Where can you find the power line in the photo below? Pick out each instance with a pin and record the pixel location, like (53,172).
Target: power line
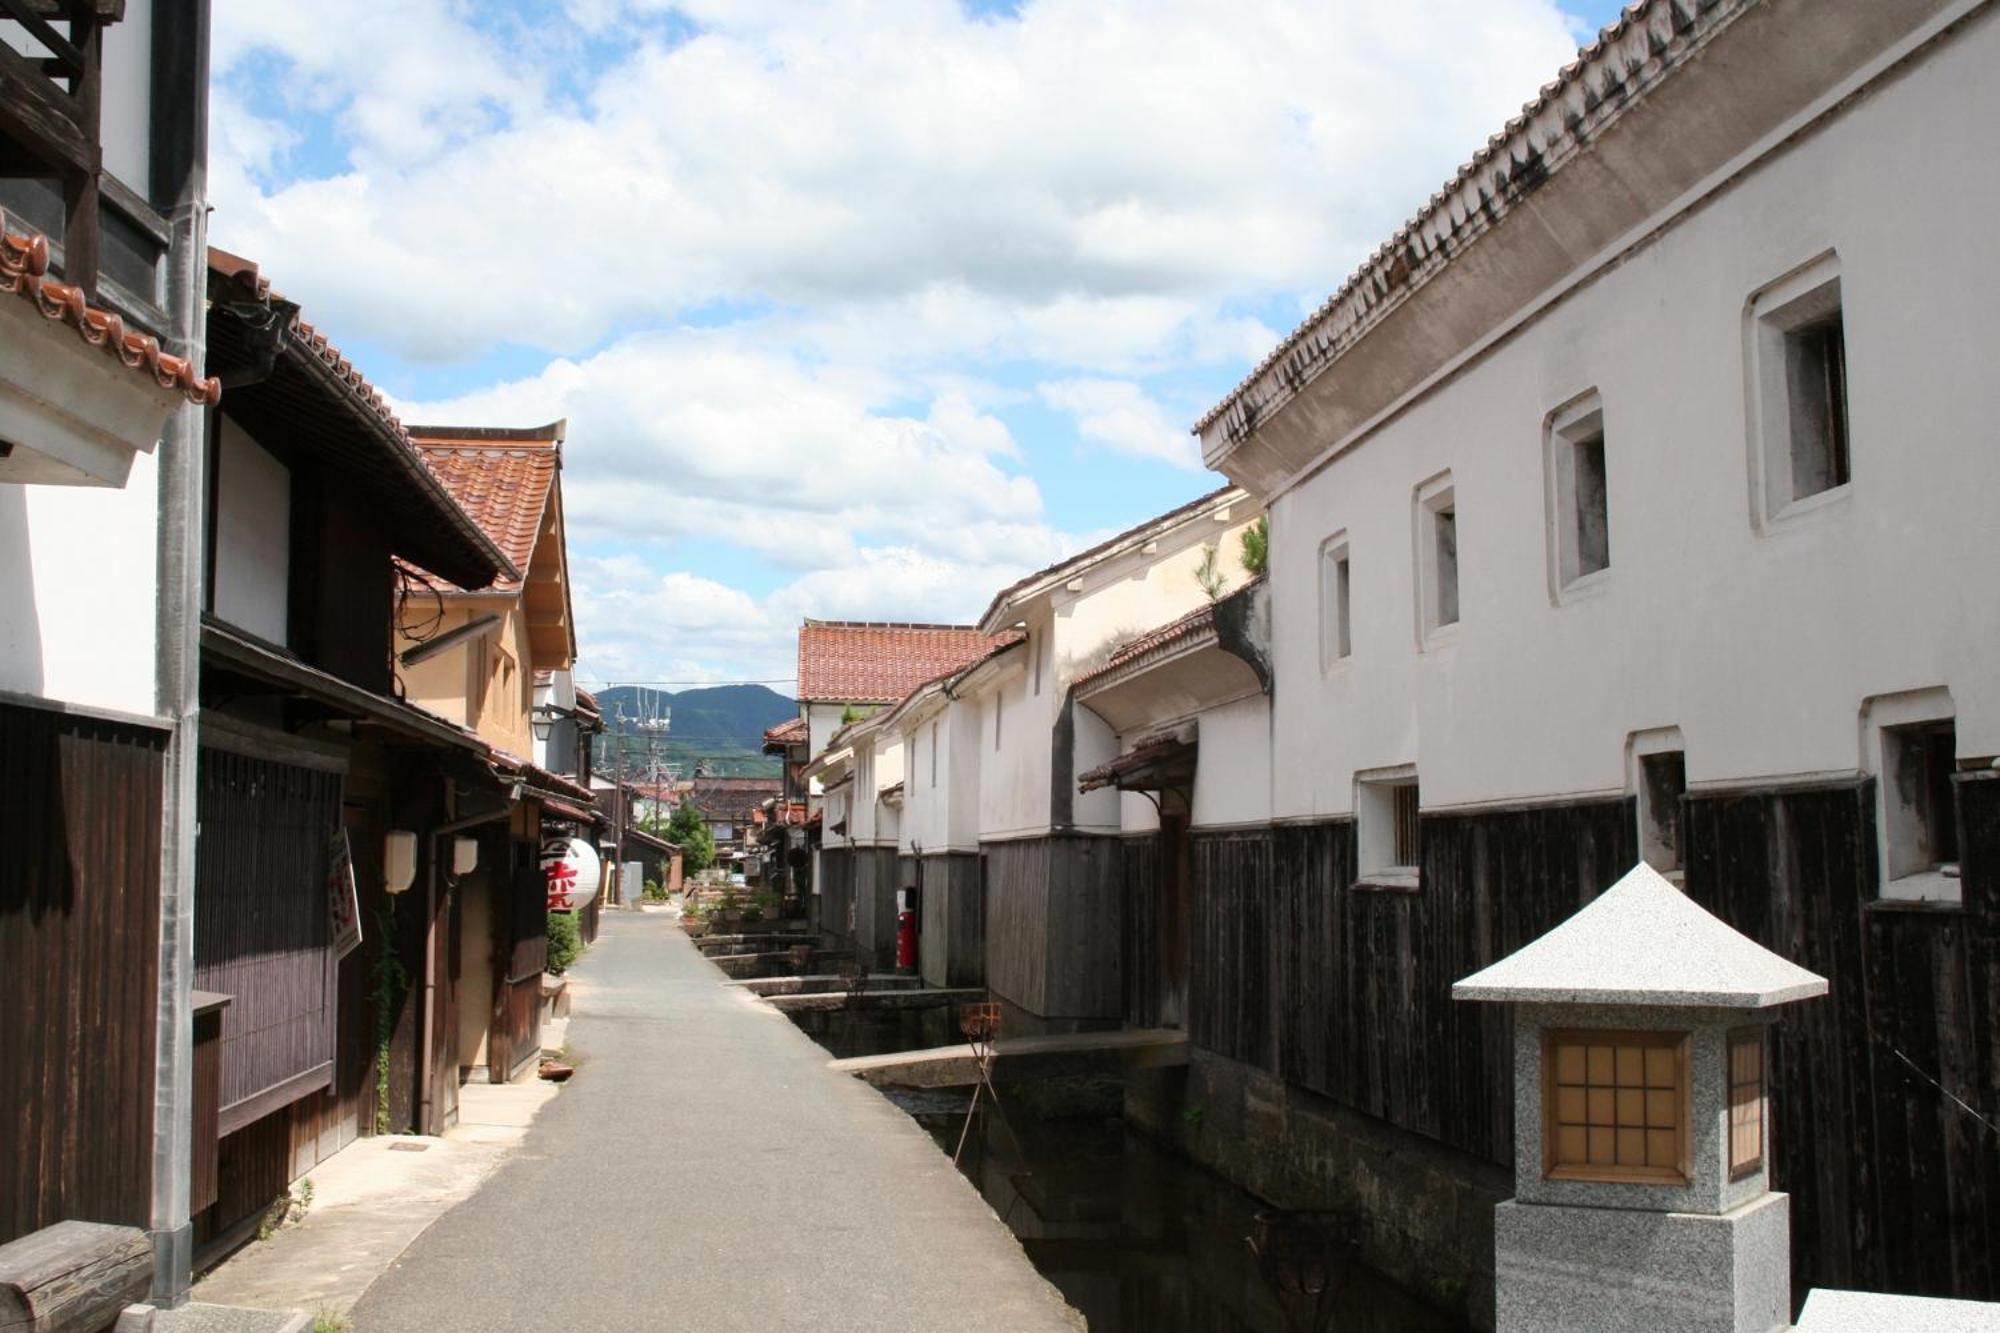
(654,684)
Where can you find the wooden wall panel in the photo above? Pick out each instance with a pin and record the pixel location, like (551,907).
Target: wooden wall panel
(836,896)
(952,921)
(1348,991)
(1017,907)
(261,931)
(1140,954)
(1894,1186)
(1085,930)
(79,942)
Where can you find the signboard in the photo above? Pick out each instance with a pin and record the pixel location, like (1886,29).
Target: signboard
(573,869)
(343,906)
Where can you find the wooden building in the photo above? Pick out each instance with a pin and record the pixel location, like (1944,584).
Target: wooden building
(472,656)
(102,153)
(322,794)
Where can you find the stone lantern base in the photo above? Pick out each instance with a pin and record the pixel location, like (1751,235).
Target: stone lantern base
(1609,1270)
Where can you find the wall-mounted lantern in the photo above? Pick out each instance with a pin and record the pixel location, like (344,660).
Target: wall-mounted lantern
(1641,1196)
(399,860)
(543,719)
(464,856)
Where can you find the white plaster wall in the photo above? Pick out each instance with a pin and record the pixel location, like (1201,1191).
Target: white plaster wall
(253,536)
(1232,782)
(943,816)
(125,113)
(1124,598)
(822,720)
(78,591)
(1014,775)
(1759,647)
(1071,632)
(888,770)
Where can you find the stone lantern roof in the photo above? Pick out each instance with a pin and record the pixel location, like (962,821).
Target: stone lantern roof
(1644,942)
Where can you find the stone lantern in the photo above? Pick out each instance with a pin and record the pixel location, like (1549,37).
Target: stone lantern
(1641,1125)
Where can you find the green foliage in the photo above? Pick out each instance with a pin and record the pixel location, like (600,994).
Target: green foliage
(1257,547)
(565,944)
(1208,572)
(332,1321)
(654,893)
(697,844)
(388,979)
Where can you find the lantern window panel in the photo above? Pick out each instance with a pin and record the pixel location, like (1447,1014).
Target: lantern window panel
(1615,1106)
(1746,1102)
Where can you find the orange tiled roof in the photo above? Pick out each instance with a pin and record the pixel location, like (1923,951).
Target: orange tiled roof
(866,662)
(789,732)
(503,484)
(24,266)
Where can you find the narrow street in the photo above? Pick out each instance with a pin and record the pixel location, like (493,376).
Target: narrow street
(706,1170)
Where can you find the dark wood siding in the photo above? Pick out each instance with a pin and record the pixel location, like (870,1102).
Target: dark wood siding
(876,879)
(1894,1187)
(261,931)
(836,896)
(951,921)
(1139,868)
(79,949)
(514,1040)
(1348,992)
(1054,938)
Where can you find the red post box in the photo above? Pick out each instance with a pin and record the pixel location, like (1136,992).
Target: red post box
(906,929)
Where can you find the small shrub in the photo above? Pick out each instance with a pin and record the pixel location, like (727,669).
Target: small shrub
(654,892)
(564,942)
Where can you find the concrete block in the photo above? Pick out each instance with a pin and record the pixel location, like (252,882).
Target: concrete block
(1609,1270)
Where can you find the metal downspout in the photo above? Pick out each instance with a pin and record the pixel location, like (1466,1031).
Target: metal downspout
(179,169)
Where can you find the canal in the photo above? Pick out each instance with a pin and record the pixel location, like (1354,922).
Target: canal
(1135,1237)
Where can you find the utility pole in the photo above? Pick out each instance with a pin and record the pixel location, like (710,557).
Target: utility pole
(618,796)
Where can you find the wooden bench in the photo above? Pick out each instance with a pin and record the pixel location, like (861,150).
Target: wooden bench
(76,1277)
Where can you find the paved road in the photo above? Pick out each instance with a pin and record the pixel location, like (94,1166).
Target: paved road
(705,1170)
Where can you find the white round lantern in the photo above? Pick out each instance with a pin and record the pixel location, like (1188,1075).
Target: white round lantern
(573,870)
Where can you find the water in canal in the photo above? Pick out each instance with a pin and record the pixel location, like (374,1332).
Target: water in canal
(1137,1238)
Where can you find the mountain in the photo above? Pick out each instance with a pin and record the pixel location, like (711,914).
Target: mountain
(720,727)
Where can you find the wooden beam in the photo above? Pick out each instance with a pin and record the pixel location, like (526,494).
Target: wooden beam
(41,116)
(73,1277)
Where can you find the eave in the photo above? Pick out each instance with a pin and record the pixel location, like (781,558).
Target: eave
(1676,100)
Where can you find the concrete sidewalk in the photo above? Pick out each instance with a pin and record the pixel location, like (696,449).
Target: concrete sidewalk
(706,1170)
(369,1201)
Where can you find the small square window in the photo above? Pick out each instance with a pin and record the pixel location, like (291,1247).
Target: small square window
(1917,764)
(1614,1106)
(1388,829)
(1437,555)
(1914,754)
(1662,784)
(1816,384)
(1746,1102)
(1336,623)
(1579,501)
(1800,427)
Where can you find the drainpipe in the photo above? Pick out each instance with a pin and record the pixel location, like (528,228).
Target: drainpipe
(428,1030)
(178,168)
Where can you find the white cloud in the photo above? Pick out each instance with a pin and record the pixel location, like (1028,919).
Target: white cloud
(1092,171)
(870,205)
(1118,415)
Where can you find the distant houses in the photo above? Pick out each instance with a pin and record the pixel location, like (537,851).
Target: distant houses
(1628,505)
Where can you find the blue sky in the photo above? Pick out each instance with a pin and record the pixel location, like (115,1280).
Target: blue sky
(859,308)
